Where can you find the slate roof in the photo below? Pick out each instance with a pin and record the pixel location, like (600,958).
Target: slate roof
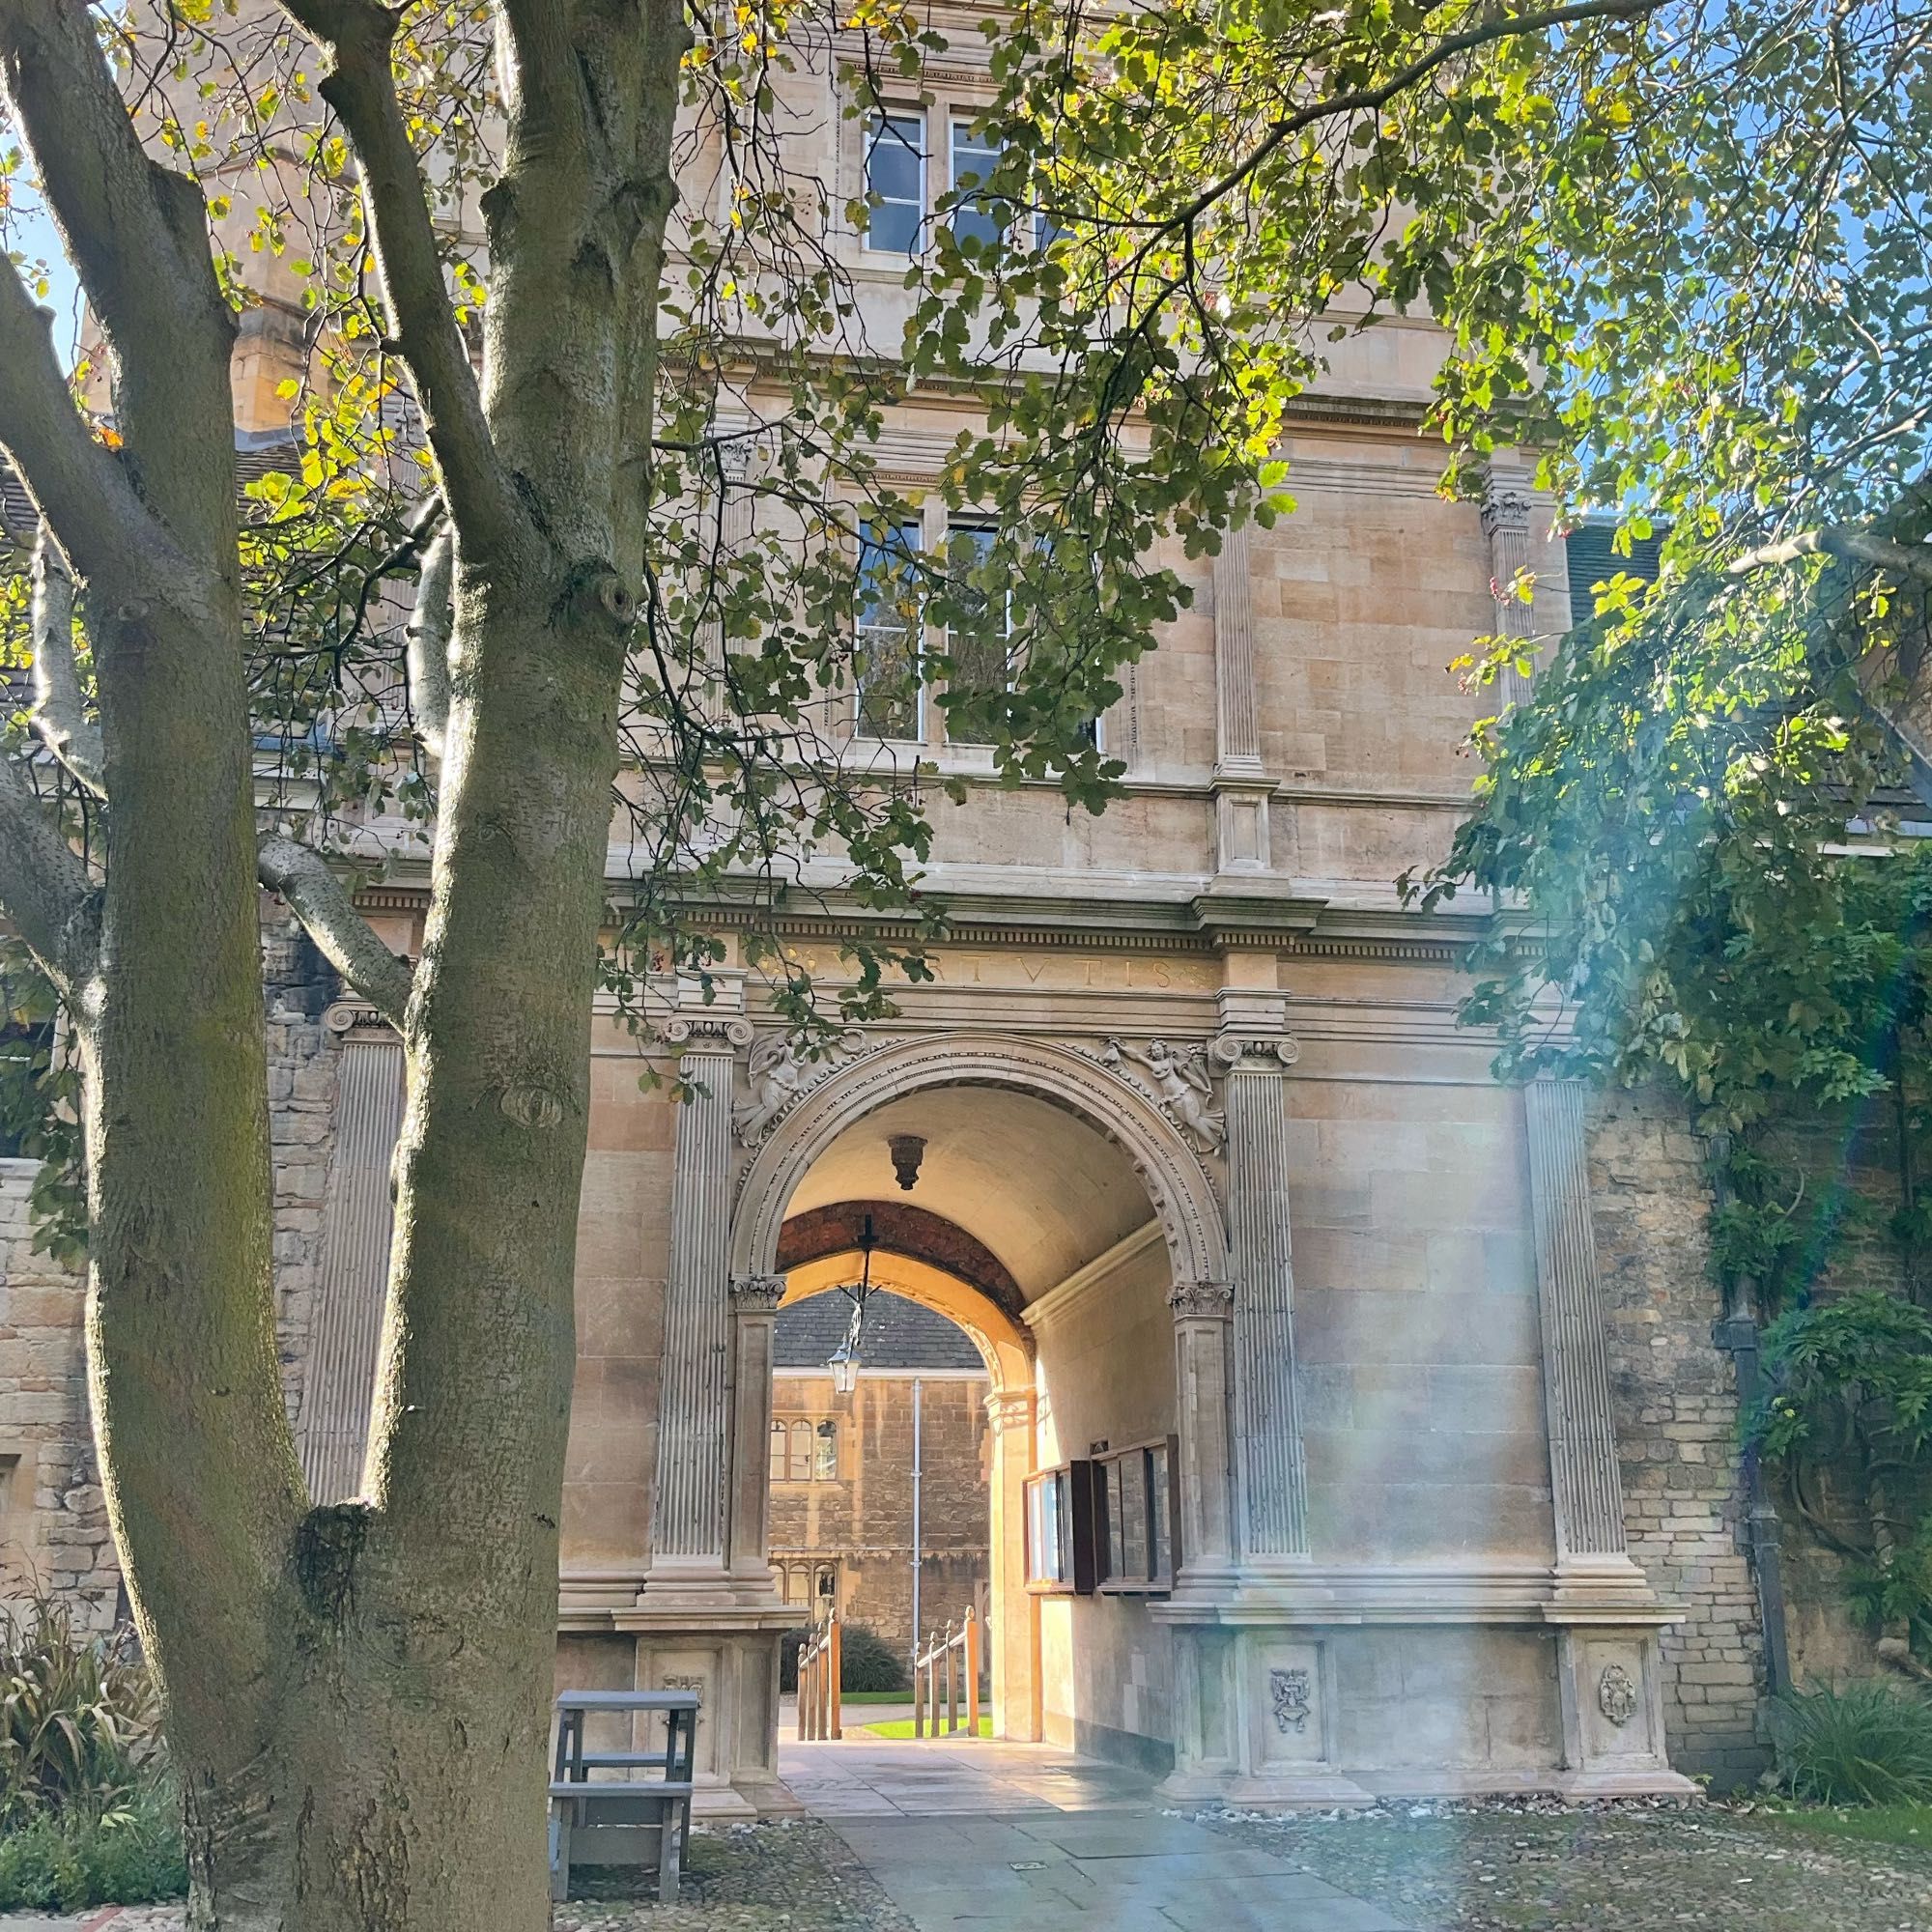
(899,1334)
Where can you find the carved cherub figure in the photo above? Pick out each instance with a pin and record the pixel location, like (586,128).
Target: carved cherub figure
(777,1077)
(1180,1077)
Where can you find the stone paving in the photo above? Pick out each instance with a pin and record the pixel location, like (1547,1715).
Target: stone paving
(975,1838)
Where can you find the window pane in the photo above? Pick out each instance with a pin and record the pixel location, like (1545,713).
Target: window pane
(895,183)
(780,1438)
(1161,1555)
(800,1460)
(825,1452)
(885,646)
(980,219)
(977,642)
(1133,1519)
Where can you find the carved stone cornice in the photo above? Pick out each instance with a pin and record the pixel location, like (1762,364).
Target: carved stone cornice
(756,1293)
(1202,1301)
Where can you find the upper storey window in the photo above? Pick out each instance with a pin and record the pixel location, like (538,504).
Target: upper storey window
(977,217)
(895,183)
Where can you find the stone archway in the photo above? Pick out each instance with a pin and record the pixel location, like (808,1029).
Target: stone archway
(1169,1175)
(1177,1184)
(1007,1350)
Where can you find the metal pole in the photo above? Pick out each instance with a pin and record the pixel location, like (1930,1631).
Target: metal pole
(915,1532)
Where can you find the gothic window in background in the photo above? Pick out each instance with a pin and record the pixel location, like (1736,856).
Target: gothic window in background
(825,1452)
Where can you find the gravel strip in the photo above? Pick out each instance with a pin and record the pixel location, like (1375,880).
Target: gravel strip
(1537,1866)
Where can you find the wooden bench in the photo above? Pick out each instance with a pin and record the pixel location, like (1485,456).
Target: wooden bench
(622,1821)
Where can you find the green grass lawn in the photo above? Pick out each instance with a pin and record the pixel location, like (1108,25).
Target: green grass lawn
(901,1728)
(1908,1825)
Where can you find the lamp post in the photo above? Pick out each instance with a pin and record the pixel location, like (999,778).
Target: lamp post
(844,1359)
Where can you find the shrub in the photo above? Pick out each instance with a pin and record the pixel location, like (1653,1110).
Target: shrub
(77,1717)
(1868,1744)
(867,1661)
(124,1855)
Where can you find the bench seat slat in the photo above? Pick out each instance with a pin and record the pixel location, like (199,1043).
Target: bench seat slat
(580,1789)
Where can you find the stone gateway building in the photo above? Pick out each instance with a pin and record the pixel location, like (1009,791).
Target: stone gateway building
(1352,1421)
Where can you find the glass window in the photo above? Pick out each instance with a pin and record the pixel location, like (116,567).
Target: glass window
(886,645)
(1137,1507)
(977,643)
(825,1454)
(799,1462)
(780,1437)
(978,218)
(895,183)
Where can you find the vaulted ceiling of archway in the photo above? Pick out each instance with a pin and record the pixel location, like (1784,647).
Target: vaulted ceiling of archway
(1042,1189)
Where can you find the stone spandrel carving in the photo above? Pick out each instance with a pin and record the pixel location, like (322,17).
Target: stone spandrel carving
(780,1073)
(1182,1081)
(1616,1695)
(1291,1697)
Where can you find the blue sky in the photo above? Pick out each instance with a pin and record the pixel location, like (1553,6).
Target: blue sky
(32,234)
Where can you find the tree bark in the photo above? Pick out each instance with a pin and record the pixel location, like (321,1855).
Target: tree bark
(356,1696)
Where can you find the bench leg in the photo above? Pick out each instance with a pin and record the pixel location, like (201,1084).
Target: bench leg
(670,1853)
(559,1851)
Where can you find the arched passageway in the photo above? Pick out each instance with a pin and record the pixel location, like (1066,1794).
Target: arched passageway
(1051,1212)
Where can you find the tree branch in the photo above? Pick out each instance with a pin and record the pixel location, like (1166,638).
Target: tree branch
(1365,99)
(76,482)
(428,654)
(138,234)
(44,888)
(60,709)
(317,897)
(360,87)
(1847,541)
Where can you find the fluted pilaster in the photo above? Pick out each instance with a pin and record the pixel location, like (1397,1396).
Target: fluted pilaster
(1237,731)
(688,1516)
(755,1304)
(340,1381)
(1506,524)
(1273,1517)
(1202,1311)
(1584,1481)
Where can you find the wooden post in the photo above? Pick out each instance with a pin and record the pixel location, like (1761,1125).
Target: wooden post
(835,1679)
(972,1674)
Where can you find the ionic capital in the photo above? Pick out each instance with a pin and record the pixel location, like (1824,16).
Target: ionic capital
(756,1293)
(1202,1301)
(708,1032)
(1255,1053)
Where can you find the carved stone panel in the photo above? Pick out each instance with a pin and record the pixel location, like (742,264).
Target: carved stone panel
(1287,1716)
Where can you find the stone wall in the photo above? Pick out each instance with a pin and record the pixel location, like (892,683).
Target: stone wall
(53,1521)
(1677,1430)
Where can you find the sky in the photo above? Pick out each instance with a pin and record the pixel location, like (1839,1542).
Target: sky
(32,235)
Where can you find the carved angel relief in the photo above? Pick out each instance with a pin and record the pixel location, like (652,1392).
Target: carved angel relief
(1183,1084)
(779,1073)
